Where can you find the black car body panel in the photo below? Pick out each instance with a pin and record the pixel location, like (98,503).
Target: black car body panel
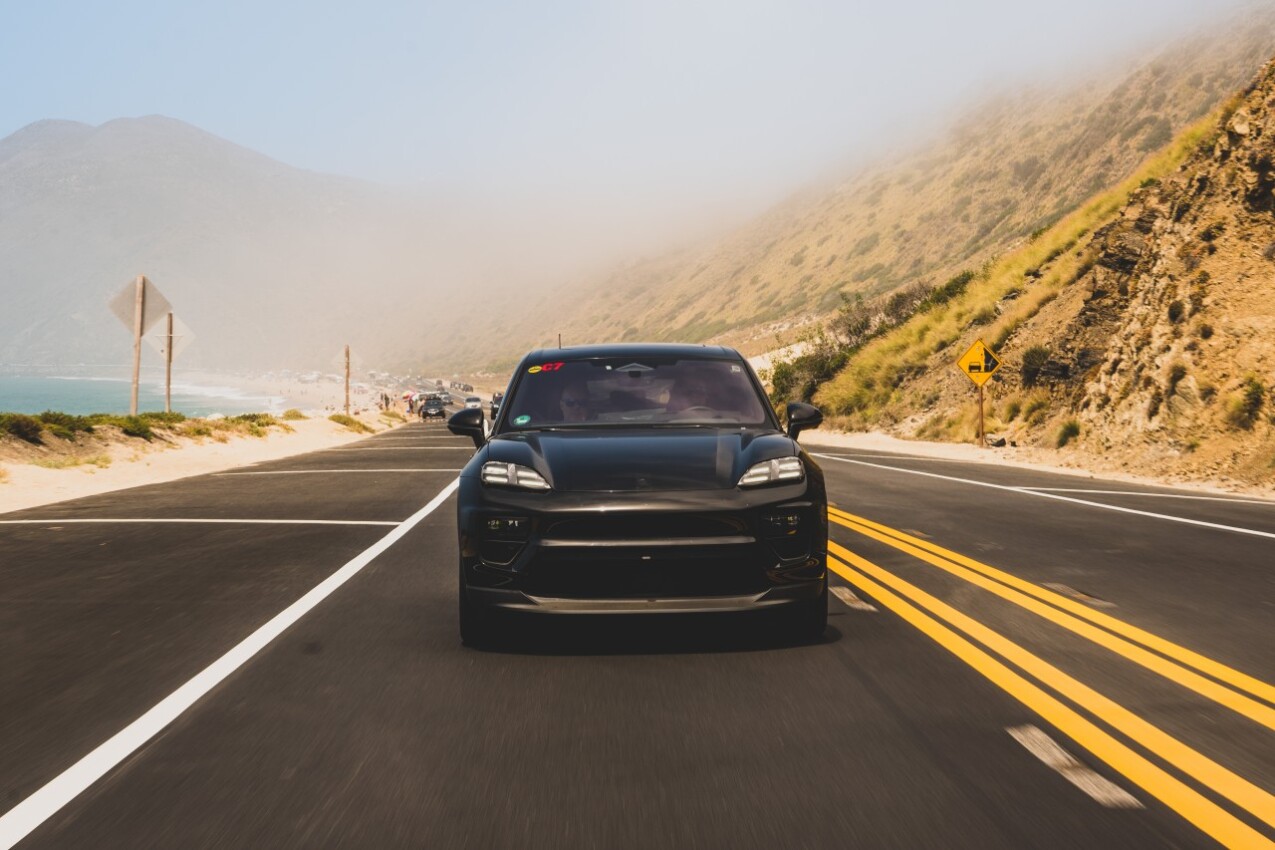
(643,517)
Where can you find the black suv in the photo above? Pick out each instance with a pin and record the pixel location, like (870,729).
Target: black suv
(640,478)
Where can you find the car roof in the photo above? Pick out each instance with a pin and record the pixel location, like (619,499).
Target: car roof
(633,349)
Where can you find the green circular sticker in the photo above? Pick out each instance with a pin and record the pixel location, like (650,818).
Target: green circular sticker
(522,420)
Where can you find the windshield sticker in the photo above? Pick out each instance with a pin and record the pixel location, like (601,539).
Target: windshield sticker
(522,420)
(735,369)
(545,367)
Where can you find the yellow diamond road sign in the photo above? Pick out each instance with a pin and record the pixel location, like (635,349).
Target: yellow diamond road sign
(979,363)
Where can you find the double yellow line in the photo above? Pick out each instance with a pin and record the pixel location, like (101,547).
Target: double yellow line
(1215,821)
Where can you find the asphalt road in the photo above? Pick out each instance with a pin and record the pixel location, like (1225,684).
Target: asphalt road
(1011,663)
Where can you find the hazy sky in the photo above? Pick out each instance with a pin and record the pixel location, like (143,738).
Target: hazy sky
(659,102)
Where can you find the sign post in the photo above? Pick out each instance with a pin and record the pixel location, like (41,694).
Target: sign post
(979,364)
(138,305)
(168,366)
(347,380)
(169,343)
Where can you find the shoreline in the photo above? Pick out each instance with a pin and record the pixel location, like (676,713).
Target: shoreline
(200,394)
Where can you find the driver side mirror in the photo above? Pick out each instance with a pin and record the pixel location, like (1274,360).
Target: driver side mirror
(802,416)
(468,423)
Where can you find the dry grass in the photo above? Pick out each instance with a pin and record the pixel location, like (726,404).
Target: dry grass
(872,387)
(351,423)
(99,461)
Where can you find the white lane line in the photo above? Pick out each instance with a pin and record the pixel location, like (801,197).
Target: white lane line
(330,471)
(1236,501)
(847,596)
(904,457)
(19,821)
(407,449)
(196,520)
(1117,508)
(1045,748)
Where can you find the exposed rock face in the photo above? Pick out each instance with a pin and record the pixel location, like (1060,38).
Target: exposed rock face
(1168,357)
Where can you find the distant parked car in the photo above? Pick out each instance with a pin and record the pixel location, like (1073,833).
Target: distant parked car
(473,402)
(446,397)
(432,407)
(496,399)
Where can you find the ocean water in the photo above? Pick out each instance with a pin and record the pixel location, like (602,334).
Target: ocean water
(81,395)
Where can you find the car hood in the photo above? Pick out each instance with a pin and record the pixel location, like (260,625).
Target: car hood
(639,460)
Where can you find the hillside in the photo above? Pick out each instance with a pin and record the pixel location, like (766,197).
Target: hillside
(1010,169)
(1138,332)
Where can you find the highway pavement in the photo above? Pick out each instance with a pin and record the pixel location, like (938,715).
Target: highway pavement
(269,657)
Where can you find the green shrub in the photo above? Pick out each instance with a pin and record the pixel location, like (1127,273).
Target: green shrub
(350,422)
(1213,231)
(1013,407)
(1036,411)
(292,415)
(945,293)
(264,420)
(1034,359)
(1153,405)
(1206,330)
(1243,408)
(1176,373)
(56,420)
(22,426)
(136,426)
(160,417)
(1069,431)
(1176,311)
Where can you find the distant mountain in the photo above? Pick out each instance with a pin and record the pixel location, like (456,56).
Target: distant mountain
(268,265)
(1008,170)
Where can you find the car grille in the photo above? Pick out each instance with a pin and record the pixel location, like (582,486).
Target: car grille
(644,527)
(657,572)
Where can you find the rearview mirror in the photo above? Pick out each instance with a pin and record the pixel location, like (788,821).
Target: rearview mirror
(468,423)
(802,416)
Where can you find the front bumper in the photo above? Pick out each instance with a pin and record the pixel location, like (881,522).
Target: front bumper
(579,553)
(516,600)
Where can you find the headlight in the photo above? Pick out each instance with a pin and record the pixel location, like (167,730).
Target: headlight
(773,471)
(513,475)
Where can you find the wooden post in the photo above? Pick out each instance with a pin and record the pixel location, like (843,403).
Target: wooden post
(982,437)
(347,380)
(168,368)
(139,310)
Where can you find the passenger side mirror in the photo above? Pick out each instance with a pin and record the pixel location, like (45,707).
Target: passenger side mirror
(802,416)
(468,423)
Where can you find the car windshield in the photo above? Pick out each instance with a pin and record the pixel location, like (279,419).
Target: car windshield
(628,392)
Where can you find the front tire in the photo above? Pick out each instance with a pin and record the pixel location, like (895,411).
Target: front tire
(808,619)
(480,626)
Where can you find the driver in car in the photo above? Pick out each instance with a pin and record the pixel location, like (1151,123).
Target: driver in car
(690,391)
(574,402)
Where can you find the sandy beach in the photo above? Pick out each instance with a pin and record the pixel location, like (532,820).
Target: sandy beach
(133,462)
